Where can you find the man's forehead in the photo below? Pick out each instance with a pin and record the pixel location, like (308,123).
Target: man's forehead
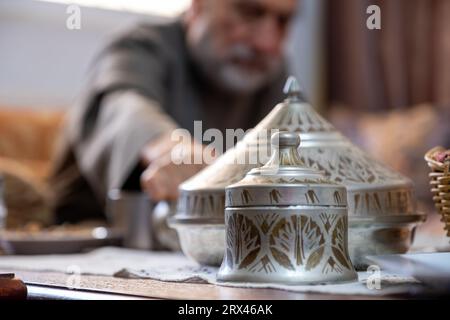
(275,6)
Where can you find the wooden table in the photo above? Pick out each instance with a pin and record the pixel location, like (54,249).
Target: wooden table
(53,285)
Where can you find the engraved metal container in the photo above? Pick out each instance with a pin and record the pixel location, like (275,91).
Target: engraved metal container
(286,223)
(381,203)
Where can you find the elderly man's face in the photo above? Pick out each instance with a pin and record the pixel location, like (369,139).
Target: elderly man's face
(239,42)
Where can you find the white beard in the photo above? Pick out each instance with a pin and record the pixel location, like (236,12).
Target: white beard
(220,68)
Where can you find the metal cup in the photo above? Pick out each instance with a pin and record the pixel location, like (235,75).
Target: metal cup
(131,214)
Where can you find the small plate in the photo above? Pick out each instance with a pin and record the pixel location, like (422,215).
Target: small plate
(60,242)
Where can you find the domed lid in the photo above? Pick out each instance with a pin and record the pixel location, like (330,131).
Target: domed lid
(285,180)
(373,189)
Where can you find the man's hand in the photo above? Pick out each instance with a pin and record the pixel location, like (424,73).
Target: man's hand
(163,174)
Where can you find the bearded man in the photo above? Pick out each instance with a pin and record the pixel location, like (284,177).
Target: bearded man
(221,63)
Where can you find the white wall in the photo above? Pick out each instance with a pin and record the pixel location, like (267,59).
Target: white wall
(306,50)
(42,63)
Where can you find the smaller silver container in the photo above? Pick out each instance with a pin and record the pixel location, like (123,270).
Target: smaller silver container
(286,223)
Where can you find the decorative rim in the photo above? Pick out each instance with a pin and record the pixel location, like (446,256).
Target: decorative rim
(398,219)
(410,218)
(173,222)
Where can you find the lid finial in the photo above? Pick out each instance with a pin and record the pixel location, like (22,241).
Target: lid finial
(285,139)
(292,88)
(285,149)
(285,159)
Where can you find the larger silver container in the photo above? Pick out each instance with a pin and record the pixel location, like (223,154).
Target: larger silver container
(286,223)
(376,195)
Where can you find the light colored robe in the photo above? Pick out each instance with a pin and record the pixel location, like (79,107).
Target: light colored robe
(142,85)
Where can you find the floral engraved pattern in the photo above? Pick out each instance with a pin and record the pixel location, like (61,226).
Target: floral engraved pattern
(338,242)
(263,264)
(377,202)
(349,165)
(267,242)
(281,237)
(274,196)
(246,196)
(311,197)
(202,204)
(313,242)
(338,199)
(295,121)
(266,221)
(243,241)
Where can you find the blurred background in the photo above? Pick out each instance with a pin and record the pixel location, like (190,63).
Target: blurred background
(388,90)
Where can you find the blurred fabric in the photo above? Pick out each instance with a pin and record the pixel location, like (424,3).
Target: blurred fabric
(405,63)
(389,89)
(26,150)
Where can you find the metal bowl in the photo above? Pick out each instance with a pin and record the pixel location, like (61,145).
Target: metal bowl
(205,242)
(201,241)
(383,235)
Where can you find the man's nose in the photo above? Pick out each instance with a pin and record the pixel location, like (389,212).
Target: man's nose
(268,37)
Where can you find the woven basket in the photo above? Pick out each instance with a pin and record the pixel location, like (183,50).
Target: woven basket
(440,185)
